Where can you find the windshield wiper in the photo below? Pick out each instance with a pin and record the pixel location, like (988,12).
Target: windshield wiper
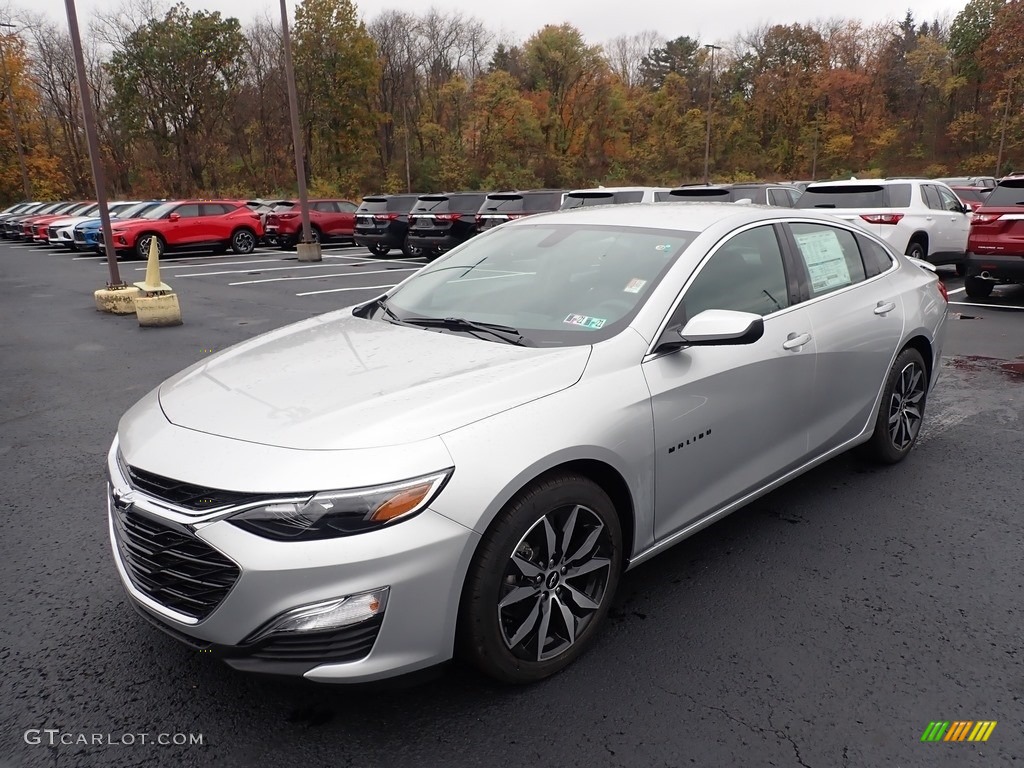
(382,303)
(503,332)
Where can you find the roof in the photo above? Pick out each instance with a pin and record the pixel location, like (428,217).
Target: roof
(619,189)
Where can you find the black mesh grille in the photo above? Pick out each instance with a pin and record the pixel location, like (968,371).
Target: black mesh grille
(339,645)
(186,495)
(171,566)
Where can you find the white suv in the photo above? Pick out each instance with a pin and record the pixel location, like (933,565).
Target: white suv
(578,198)
(918,217)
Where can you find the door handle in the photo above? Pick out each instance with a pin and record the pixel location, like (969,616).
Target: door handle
(884,307)
(928,218)
(795,341)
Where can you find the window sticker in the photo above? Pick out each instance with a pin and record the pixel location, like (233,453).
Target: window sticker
(586,322)
(635,285)
(666,247)
(826,263)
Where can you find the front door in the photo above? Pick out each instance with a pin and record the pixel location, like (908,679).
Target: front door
(728,419)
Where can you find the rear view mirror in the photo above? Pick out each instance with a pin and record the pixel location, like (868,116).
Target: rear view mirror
(715,327)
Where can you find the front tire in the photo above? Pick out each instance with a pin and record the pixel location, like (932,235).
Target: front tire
(542,580)
(243,241)
(901,412)
(142,246)
(977,288)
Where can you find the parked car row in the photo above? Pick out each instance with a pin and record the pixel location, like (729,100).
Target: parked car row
(430,224)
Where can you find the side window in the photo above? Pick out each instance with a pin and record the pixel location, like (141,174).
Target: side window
(629,197)
(346,207)
(931,198)
(213,209)
(899,195)
(830,256)
(949,201)
(746,274)
(876,259)
(779,197)
(188,211)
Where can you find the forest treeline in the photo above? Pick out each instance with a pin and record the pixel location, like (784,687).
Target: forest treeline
(189,102)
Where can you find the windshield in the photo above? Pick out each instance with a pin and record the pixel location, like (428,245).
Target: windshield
(131,211)
(558,284)
(161,211)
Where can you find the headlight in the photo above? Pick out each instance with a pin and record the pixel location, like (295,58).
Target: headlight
(331,514)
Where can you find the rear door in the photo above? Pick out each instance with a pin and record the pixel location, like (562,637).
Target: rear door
(856,315)
(956,223)
(213,224)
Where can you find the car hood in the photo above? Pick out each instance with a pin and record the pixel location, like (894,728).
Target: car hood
(129,223)
(69,222)
(340,382)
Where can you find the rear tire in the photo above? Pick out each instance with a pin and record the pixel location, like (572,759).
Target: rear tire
(542,580)
(379,250)
(915,249)
(901,411)
(977,288)
(412,251)
(243,241)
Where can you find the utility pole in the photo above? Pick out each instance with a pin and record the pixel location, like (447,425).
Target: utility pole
(1002,129)
(307,249)
(707,139)
(15,127)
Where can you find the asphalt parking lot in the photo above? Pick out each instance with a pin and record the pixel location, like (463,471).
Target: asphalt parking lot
(824,625)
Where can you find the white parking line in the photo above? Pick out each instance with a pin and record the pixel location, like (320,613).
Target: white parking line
(88,258)
(956,290)
(321,277)
(340,290)
(172,265)
(987,306)
(268,269)
(378,260)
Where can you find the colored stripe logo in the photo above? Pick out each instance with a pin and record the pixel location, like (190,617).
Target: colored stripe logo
(958,730)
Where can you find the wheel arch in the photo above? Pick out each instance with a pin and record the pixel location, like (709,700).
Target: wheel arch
(921,343)
(920,236)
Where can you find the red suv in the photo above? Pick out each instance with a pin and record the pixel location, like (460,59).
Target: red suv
(995,248)
(328,220)
(213,224)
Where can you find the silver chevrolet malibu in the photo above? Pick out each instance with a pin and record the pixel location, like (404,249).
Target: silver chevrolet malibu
(468,463)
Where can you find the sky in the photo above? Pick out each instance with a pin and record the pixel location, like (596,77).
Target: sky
(599,20)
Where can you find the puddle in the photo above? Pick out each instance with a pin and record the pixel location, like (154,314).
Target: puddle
(976,363)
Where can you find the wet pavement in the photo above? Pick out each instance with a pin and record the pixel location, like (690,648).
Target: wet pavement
(824,625)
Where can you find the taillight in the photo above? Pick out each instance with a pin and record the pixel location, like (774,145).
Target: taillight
(448,216)
(385,216)
(943,291)
(985,218)
(882,218)
(479,218)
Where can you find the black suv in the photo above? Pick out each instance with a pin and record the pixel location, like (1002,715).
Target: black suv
(500,207)
(779,195)
(440,222)
(382,222)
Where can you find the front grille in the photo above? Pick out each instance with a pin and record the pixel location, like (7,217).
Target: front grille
(338,645)
(79,236)
(52,233)
(192,497)
(172,566)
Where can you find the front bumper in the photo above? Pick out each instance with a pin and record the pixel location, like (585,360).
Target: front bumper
(422,561)
(1009,268)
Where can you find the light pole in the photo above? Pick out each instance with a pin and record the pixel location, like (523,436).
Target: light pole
(307,250)
(15,127)
(707,140)
(95,158)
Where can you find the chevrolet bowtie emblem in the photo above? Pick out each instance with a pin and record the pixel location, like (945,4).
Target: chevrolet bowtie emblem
(122,499)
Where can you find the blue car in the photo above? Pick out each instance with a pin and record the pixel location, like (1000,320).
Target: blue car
(86,233)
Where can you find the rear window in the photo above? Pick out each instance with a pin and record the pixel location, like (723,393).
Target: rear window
(859,196)
(465,203)
(535,202)
(695,193)
(1009,192)
(971,194)
(581,199)
(504,203)
(374,204)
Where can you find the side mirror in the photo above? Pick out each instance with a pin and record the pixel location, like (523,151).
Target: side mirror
(713,328)
(174,216)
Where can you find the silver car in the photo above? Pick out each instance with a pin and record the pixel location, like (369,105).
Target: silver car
(468,463)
